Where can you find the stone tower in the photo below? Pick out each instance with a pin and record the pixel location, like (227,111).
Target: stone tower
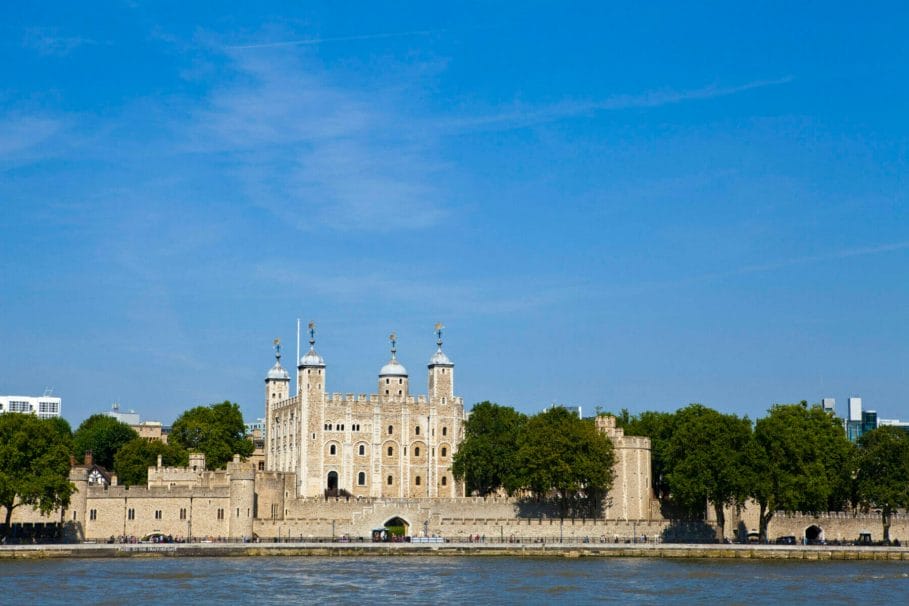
(441,373)
(277,389)
(393,380)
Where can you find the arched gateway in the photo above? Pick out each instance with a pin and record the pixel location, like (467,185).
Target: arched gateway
(814,534)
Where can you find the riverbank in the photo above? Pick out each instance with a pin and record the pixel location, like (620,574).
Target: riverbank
(758,552)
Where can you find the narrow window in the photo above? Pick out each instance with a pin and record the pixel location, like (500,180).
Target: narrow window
(391,429)
(362,449)
(417,430)
(444,481)
(332,449)
(389,480)
(418,480)
(444,431)
(391,451)
(361,478)
(444,451)
(416,451)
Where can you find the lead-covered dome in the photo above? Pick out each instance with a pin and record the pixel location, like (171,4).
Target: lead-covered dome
(277,373)
(393,368)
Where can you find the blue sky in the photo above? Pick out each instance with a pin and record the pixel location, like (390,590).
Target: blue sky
(607,206)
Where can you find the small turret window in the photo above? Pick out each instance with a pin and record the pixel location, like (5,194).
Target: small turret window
(400,381)
(444,481)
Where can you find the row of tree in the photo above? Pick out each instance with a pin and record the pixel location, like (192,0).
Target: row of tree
(553,453)
(795,459)
(35,453)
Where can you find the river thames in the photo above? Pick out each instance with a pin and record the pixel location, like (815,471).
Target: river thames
(448,580)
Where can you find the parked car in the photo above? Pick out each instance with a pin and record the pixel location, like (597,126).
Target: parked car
(787,540)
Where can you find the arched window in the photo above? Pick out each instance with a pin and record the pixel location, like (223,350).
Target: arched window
(391,429)
(417,430)
(400,381)
(387,381)
(391,451)
(416,451)
(362,449)
(332,449)
(361,478)
(444,451)
(417,480)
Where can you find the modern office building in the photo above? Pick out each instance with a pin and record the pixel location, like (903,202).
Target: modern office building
(45,406)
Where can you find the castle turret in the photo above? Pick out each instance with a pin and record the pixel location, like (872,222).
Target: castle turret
(277,389)
(311,368)
(393,380)
(441,374)
(242,499)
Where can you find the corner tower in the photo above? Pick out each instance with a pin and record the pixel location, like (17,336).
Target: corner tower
(311,368)
(441,373)
(277,389)
(393,379)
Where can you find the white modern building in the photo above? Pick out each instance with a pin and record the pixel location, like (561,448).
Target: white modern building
(45,407)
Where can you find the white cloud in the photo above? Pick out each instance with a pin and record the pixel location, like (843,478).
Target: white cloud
(308,147)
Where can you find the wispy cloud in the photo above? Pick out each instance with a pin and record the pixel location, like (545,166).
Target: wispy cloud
(315,41)
(520,116)
(318,153)
(50,43)
(757,268)
(21,133)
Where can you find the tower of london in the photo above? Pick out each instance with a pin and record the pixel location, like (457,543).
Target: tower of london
(386,444)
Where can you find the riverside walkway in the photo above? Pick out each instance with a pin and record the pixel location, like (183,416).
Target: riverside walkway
(659,550)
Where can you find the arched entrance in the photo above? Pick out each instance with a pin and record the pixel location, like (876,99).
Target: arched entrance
(397,527)
(814,534)
(332,487)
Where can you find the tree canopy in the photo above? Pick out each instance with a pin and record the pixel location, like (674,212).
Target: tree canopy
(798,461)
(485,458)
(705,458)
(882,472)
(557,451)
(135,457)
(217,431)
(34,463)
(102,435)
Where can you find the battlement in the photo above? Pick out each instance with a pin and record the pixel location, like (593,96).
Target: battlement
(157,492)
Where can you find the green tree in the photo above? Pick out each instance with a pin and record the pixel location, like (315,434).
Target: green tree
(135,457)
(485,457)
(799,460)
(34,463)
(102,435)
(217,431)
(882,474)
(558,452)
(706,459)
